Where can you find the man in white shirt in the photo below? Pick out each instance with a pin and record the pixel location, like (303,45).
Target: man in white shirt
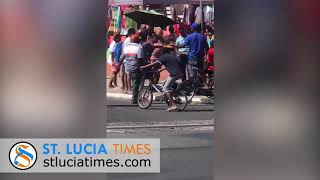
(131,31)
(133,57)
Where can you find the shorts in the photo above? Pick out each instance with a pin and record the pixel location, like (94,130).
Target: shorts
(167,87)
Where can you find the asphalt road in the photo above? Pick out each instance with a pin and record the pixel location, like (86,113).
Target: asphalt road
(120,110)
(186,151)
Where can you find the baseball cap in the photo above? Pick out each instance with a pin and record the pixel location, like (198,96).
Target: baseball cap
(195,26)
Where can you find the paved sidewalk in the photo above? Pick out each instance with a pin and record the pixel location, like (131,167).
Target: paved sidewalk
(117,93)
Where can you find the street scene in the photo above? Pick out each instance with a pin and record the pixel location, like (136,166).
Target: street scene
(186,137)
(160,82)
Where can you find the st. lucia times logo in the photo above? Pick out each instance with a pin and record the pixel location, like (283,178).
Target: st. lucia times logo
(23,155)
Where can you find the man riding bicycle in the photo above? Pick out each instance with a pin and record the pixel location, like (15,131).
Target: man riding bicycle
(171,62)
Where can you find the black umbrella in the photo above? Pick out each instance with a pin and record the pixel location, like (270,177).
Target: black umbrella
(151,18)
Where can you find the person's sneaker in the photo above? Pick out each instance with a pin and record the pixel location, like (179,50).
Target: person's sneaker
(172,109)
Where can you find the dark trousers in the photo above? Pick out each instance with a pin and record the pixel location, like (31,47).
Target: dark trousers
(136,81)
(183,62)
(195,62)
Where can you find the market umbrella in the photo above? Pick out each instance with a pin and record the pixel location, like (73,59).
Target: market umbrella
(151,18)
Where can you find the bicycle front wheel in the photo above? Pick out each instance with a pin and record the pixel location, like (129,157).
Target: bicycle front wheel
(145,97)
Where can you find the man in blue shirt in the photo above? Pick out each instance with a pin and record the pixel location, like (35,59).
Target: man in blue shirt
(198,45)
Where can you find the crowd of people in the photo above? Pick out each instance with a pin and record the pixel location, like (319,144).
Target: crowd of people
(176,52)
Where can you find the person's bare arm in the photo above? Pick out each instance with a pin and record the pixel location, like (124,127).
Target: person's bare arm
(179,46)
(162,69)
(157,45)
(148,66)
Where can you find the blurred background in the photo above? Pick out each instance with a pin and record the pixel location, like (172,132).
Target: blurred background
(52,72)
(266,87)
(53,81)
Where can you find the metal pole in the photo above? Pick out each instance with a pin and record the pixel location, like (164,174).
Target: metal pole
(201,8)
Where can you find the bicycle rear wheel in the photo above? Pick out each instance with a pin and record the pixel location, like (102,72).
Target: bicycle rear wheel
(145,97)
(190,96)
(181,100)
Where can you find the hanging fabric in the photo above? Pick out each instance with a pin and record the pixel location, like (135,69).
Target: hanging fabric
(118,19)
(198,15)
(109,18)
(173,13)
(192,14)
(130,23)
(208,15)
(186,14)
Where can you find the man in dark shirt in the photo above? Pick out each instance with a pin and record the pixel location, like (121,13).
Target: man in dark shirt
(173,66)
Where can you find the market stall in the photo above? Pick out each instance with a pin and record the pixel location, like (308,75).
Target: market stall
(186,11)
(125,14)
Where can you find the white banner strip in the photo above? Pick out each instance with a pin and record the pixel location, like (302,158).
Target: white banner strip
(80,156)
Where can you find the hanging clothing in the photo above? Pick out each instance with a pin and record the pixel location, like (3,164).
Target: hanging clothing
(116,19)
(198,15)
(208,15)
(130,23)
(109,18)
(119,19)
(184,18)
(173,13)
(186,14)
(192,14)
(123,22)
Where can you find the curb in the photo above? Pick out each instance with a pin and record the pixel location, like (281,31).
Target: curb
(119,95)
(203,99)
(171,124)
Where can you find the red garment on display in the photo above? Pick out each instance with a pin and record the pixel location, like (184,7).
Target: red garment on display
(123,21)
(210,60)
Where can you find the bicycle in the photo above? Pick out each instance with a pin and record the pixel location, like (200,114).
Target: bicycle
(145,97)
(194,85)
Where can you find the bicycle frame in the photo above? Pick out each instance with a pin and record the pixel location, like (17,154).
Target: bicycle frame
(195,78)
(156,88)
(196,85)
(179,97)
